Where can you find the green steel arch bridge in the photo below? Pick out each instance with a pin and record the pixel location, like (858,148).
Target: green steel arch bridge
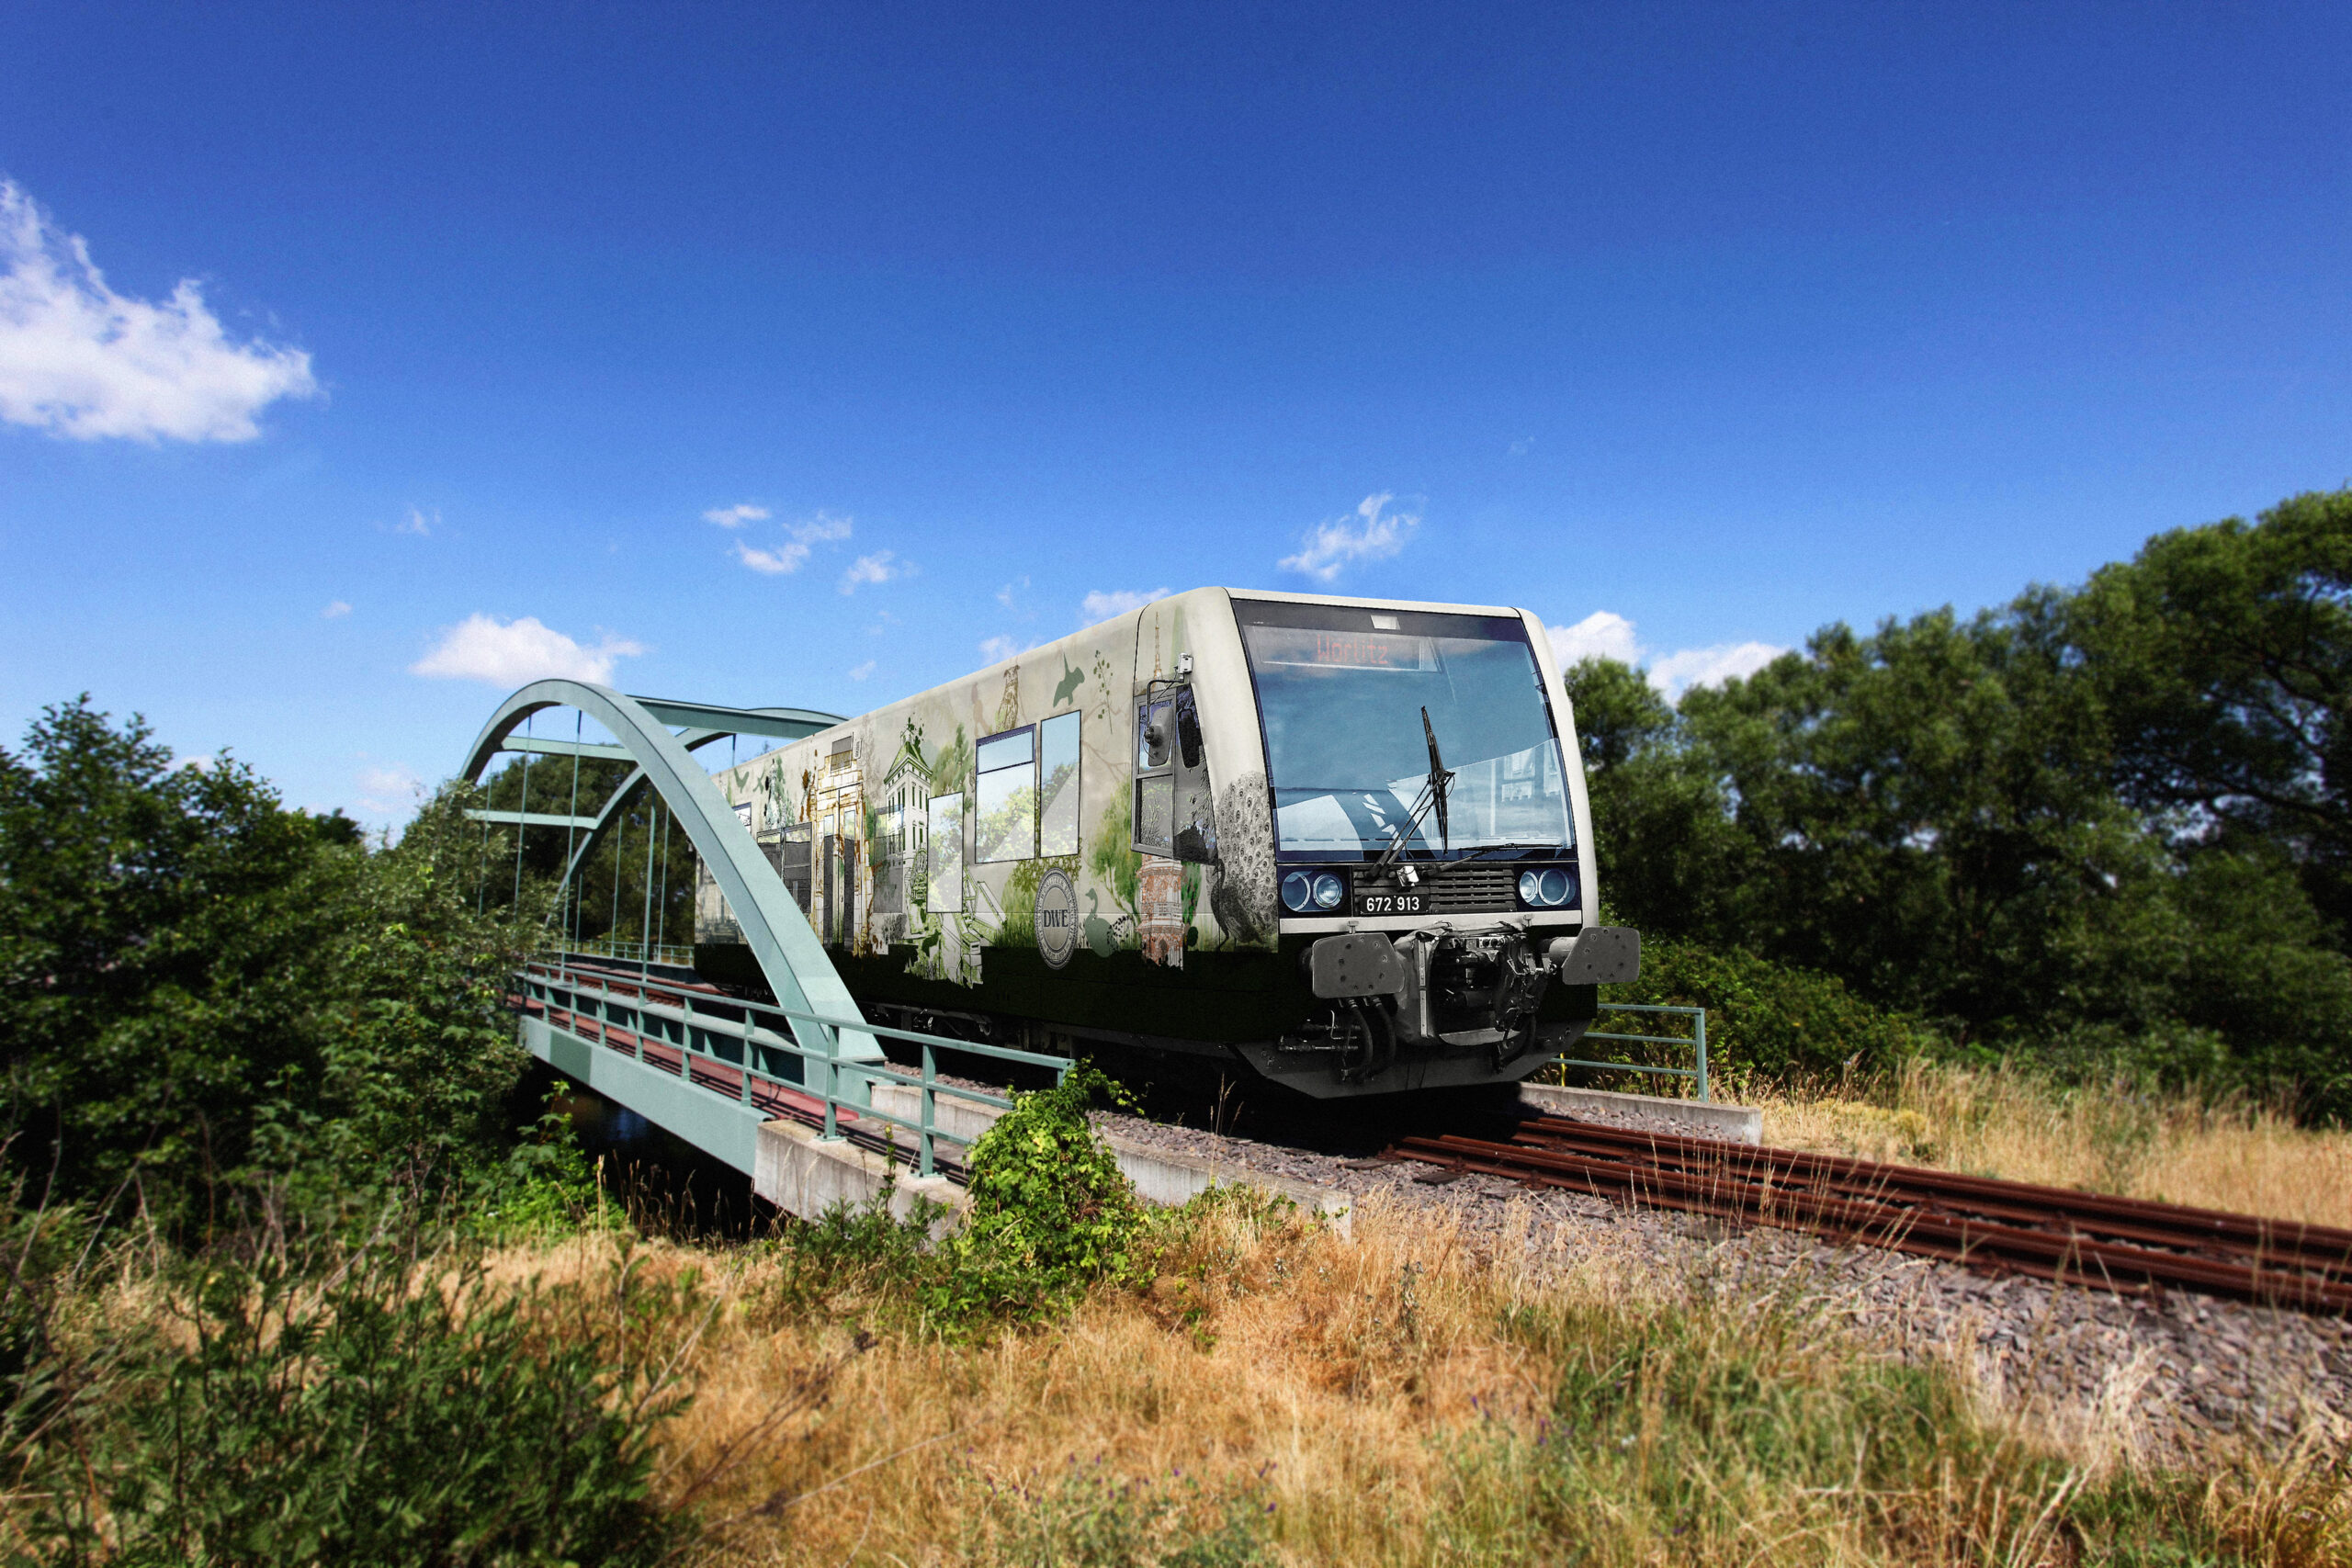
(755,1081)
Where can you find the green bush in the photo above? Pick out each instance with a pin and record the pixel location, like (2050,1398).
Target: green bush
(1051,1211)
(1050,1214)
(384,1414)
(1772,1021)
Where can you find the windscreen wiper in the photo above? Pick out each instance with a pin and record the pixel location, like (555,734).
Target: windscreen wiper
(1440,781)
(1433,790)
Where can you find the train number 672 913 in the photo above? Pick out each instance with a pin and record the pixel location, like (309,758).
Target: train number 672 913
(1388,903)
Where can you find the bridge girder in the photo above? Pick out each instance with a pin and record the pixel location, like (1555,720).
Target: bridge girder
(787,949)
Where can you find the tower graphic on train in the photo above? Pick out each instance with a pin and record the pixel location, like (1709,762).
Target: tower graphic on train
(1344,842)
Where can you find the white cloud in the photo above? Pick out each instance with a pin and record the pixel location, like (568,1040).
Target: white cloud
(1368,535)
(735,516)
(996,649)
(81,361)
(418,521)
(335,611)
(1606,635)
(1012,591)
(773,563)
(1601,635)
(793,554)
(882,565)
(1522,447)
(863,671)
(1104,604)
(389,791)
(194,764)
(1677,673)
(514,653)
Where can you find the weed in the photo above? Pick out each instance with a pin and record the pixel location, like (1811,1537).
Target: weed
(547,1189)
(1089,1517)
(1051,1211)
(375,1416)
(2108,1135)
(1050,1214)
(1678,1433)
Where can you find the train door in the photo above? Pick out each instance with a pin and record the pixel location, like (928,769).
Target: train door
(1175,814)
(1175,820)
(850,849)
(828,885)
(792,860)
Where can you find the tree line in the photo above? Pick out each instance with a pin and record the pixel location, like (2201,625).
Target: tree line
(211,1004)
(2096,827)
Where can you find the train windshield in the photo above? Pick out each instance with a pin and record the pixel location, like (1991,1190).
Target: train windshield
(1340,692)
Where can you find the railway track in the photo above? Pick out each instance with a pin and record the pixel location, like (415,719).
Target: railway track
(2123,1244)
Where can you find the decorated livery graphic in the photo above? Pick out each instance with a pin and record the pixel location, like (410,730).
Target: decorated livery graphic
(1343,840)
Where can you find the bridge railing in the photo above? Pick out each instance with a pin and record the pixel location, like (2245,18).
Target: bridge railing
(759,1053)
(669,954)
(1697,1039)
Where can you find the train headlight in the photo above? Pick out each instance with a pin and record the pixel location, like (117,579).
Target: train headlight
(1299,892)
(1547,889)
(1328,891)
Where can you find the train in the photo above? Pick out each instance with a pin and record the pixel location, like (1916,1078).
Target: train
(1341,844)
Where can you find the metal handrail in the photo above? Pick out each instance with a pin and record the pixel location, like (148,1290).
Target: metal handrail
(545,975)
(1699,1038)
(636,952)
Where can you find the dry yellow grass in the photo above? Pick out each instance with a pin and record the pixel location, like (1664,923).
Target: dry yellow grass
(1332,1363)
(1383,1396)
(2099,1137)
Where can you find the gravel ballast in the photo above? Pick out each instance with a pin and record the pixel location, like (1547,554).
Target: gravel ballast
(2173,1371)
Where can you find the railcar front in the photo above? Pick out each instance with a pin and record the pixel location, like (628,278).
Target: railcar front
(1431,844)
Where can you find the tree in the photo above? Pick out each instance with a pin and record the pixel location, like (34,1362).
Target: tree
(2222,655)
(194,980)
(1929,816)
(1672,858)
(1938,814)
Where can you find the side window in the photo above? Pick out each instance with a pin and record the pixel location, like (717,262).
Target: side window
(1155,803)
(944,836)
(1007,828)
(1058,771)
(1188,730)
(1152,734)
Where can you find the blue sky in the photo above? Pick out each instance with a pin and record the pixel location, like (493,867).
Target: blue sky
(1717,322)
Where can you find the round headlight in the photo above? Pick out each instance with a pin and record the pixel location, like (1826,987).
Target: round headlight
(1328,891)
(1556,888)
(1298,891)
(1530,887)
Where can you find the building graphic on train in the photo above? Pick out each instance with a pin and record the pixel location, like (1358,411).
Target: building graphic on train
(1345,841)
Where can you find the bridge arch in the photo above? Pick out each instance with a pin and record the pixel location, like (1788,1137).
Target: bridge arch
(787,950)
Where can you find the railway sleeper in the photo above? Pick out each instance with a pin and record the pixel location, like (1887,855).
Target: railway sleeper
(2070,1258)
(1900,1184)
(2322,1246)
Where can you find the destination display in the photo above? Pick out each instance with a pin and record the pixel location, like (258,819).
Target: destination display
(1342,649)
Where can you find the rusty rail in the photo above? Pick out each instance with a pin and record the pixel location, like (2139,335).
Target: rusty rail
(2123,1245)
